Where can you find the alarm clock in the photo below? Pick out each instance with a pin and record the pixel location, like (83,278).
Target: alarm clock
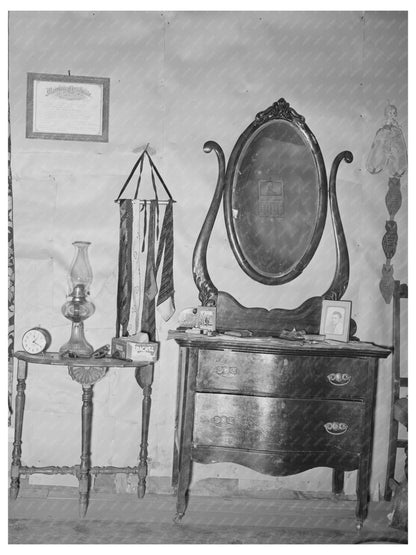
(36,340)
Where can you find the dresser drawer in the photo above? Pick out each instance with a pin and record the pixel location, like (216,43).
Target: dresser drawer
(269,374)
(268,424)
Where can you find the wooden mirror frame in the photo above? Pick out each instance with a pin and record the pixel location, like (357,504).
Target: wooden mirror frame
(279,111)
(231,315)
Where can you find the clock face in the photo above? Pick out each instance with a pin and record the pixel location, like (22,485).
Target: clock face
(36,341)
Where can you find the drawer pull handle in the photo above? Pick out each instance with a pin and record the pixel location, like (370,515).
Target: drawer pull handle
(336,428)
(223,420)
(339,379)
(226,371)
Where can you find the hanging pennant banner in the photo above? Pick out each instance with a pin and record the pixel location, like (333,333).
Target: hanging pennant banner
(141,245)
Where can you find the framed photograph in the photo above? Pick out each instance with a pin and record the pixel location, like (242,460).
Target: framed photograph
(66,107)
(335,320)
(206,317)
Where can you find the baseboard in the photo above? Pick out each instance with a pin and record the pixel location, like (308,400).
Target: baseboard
(161,485)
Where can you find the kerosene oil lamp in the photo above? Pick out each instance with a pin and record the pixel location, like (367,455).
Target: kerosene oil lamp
(78,308)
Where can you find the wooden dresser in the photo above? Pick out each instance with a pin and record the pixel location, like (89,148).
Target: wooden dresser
(279,407)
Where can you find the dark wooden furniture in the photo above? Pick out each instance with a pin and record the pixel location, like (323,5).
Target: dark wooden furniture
(276,406)
(86,372)
(275,196)
(399,408)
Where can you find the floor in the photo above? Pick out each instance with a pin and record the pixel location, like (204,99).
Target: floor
(49,515)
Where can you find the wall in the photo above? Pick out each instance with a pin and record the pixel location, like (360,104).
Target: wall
(177,80)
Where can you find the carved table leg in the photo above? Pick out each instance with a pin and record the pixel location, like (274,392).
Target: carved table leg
(18,427)
(84,469)
(144,377)
(337,481)
(86,376)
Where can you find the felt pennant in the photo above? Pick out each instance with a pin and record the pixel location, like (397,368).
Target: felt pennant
(142,246)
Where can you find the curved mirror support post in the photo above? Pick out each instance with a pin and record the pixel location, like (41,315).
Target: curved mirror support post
(207,290)
(342,269)
(275,195)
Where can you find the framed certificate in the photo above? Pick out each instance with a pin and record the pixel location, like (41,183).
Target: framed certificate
(66,107)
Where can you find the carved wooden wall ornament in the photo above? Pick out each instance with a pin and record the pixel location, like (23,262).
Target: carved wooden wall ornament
(388,153)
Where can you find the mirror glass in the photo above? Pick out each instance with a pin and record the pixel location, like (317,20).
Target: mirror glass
(277,201)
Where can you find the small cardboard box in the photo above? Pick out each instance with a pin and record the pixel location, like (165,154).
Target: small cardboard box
(128,348)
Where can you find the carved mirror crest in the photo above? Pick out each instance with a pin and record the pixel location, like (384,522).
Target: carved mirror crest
(275,196)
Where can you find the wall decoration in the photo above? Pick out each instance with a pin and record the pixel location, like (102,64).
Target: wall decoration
(67,107)
(388,153)
(140,241)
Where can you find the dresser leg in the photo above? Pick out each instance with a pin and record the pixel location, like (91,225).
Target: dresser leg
(337,481)
(144,377)
(187,411)
(362,495)
(175,466)
(84,469)
(18,427)
(176,437)
(178,517)
(185,462)
(183,486)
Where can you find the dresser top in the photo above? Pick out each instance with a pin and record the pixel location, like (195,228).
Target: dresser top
(279,346)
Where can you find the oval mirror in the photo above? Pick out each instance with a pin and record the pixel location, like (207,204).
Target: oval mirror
(275,196)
